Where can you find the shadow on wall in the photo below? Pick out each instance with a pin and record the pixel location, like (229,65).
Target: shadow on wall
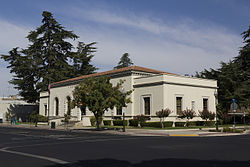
(21,111)
(156,163)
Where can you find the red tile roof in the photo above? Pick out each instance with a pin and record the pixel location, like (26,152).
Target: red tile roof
(130,68)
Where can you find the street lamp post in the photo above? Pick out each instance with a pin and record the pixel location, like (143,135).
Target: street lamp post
(216,114)
(123,112)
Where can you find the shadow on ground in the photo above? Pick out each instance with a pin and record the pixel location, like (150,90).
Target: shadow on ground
(155,163)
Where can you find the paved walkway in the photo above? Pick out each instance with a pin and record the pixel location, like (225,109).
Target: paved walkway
(137,132)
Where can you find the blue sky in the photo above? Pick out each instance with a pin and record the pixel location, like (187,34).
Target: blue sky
(179,36)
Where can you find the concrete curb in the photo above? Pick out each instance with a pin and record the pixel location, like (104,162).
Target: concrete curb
(137,132)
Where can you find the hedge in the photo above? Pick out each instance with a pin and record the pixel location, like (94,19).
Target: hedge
(120,122)
(93,121)
(179,124)
(204,123)
(42,118)
(107,122)
(158,124)
(192,123)
(133,122)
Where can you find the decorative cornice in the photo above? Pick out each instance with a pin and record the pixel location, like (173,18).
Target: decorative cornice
(171,83)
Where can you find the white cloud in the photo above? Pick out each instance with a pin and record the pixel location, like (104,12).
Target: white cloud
(6,89)
(12,36)
(184,46)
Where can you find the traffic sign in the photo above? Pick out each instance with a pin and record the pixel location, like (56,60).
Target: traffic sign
(234,107)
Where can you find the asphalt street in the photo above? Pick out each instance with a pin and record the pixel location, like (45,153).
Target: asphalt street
(20,147)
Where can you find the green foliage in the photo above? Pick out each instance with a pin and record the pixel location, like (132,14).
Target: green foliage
(66,118)
(163,114)
(207,115)
(8,116)
(47,59)
(42,118)
(93,121)
(99,95)
(158,124)
(231,130)
(188,114)
(141,119)
(107,122)
(120,122)
(180,124)
(233,79)
(82,59)
(133,122)
(125,61)
(34,117)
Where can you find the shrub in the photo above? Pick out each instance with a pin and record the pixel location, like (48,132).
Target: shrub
(163,114)
(141,119)
(231,130)
(191,123)
(180,124)
(199,123)
(188,114)
(157,124)
(133,122)
(107,122)
(168,124)
(210,123)
(207,115)
(42,118)
(8,116)
(36,117)
(152,124)
(93,120)
(120,122)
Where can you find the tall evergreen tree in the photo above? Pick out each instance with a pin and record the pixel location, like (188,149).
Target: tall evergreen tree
(47,59)
(125,61)
(82,59)
(242,63)
(233,77)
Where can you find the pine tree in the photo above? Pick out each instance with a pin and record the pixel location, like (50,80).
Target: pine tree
(233,77)
(125,61)
(82,59)
(242,63)
(47,58)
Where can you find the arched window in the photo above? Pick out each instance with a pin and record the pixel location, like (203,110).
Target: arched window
(68,105)
(57,106)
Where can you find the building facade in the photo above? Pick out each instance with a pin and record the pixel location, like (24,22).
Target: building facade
(153,91)
(16,108)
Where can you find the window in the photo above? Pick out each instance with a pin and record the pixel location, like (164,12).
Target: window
(45,109)
(147,105)
(68,105)
(205,104)
(57,106)
(178,105)
(193,105)
(119,111)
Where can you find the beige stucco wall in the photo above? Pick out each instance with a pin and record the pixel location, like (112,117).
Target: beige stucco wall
(163,90)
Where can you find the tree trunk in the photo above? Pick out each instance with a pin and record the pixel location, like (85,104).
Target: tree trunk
(97,122)
(162,120)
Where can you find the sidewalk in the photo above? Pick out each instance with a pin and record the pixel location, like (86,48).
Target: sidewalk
(135,132)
